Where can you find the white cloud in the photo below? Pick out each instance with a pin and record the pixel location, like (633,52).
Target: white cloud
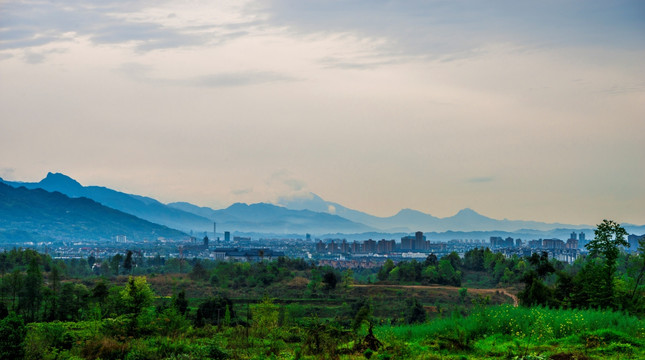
(429,105)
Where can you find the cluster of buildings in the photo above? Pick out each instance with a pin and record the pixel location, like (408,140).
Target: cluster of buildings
(417,246)
(245,255)
(414,244)
(363,253)
(575,241)
(365,247)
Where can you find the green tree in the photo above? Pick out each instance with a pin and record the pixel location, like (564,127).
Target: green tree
(430,274)
(100,291)
(4,264)
(463,292)
(227,316)
(454,259)
(73,301)
(198,272)
(431,260)
(12,336)
(447,273)
(363,314)
(4,312)
(31,291)
(609,236)
(330,280)
(639,269)
(127,263)
(347,279)
(180,303)
(15,284)
(541,263)
(105,268)
(137,295)
(415,313)
(384,272)
(213,311)
(474,259)
(99,296)
(535,291)
(54,279)
(265,316)
(115,263)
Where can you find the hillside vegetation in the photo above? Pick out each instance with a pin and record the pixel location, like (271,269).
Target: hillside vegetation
(136,308)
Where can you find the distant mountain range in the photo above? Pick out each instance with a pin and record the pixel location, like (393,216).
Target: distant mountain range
(187,217)
(37,215)
(408,220)
(140,206)
(270,218)
(308,214)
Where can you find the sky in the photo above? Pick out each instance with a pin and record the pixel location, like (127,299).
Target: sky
(517,109)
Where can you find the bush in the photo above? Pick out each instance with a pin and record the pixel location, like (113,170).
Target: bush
(104,348)
(46,338)
(216,353)
(12,335)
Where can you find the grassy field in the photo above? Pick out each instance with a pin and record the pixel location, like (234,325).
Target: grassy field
(495,332)
(506,332)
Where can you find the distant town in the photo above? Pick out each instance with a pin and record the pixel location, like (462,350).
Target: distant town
(336,252)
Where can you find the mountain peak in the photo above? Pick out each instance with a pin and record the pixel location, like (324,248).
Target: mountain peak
(59,180)
(467,211)
(469,215)
(408,211)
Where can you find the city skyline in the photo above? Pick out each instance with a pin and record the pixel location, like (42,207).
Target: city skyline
(519,111)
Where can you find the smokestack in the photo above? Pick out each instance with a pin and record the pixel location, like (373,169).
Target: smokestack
(214,230)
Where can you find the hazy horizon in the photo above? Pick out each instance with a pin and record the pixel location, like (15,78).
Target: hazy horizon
(525,111)
(302,201)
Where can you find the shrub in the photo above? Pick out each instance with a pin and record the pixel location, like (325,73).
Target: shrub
(45,338)
(12,335)
(104,348)
(216,353)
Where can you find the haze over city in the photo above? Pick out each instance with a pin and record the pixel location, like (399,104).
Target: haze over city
(517,110)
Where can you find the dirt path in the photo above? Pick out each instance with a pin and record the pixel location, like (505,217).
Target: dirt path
(445,287)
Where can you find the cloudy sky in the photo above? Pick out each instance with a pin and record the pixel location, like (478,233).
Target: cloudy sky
(517,109)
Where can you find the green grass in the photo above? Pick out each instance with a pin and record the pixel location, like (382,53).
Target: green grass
(508,332)
(496,332)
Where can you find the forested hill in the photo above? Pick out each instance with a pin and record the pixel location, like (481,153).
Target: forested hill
(32,215)
(140,206)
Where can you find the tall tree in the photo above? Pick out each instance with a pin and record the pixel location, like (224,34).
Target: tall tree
(535,291)
(67,310)
(454,259)
(609,236)
(431,260)
(54,279)
(180,303)
(213,311)
(330,280)
(32,292)
(198,272)
(127,263)
(91,260)
(12,336)
(137,295)
(15,284)
(415,313)
(115,263)
(639,269)
(4,263)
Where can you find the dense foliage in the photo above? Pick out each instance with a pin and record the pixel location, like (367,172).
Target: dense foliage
(130,307)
